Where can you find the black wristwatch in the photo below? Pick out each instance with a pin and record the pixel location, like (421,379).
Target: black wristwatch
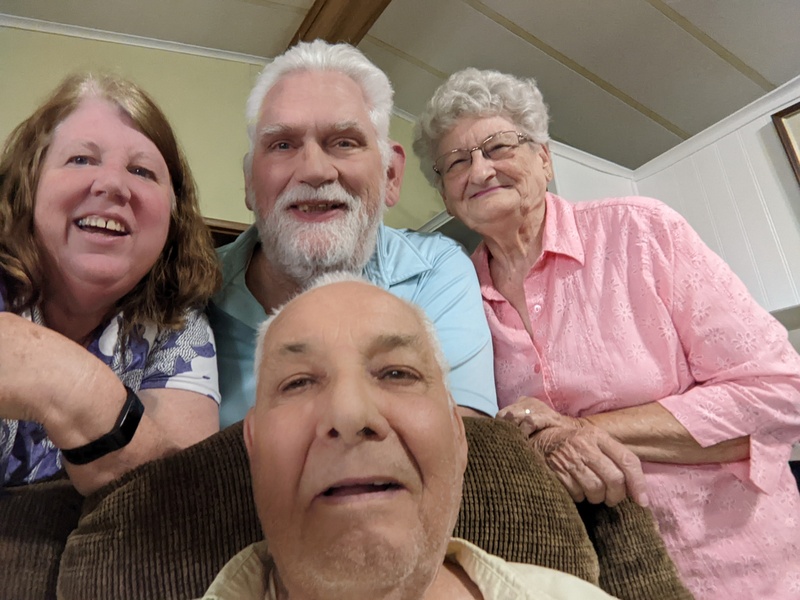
(119,437)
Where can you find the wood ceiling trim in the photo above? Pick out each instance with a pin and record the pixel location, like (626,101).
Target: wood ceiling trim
(339,20)
(578,68)
(710,43)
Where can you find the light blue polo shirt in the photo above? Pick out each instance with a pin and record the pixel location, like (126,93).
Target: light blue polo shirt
(425,268)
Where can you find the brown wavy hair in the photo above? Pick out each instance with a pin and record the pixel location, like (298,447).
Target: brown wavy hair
(186,273)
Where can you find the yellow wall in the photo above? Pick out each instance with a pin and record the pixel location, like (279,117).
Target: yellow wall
(203,98)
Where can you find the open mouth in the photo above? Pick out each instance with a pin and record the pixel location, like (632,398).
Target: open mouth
(361,488)
(95,224)
(319,207)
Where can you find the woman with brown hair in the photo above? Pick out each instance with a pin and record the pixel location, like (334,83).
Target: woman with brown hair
(106,360)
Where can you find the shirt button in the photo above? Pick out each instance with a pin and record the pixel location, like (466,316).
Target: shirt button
(537,308)
(537,369)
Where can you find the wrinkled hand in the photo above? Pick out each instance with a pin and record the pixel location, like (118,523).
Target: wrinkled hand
(532,415)
(588,461)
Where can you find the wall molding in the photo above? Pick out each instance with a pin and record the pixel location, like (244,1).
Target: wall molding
(589,160)
(763,107)
(87,33)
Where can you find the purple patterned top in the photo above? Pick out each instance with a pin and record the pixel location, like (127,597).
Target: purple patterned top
(153,358)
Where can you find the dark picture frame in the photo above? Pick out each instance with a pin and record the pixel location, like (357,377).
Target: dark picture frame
(224,232)
(787,123)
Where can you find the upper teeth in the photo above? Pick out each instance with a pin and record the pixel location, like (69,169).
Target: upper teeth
(102,223)
(315,207)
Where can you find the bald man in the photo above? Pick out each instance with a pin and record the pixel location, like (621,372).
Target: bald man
(357,454)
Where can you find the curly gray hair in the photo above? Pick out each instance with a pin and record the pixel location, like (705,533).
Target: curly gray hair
(475,93)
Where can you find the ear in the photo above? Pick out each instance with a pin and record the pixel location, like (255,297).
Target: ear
(461,440)
(547,161)
(247,171)
(248,430)
(394,173)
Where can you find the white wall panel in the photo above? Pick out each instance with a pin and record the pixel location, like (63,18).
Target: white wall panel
(579,176)
(734,185)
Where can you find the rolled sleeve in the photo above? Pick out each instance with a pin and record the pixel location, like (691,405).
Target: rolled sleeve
(747,374)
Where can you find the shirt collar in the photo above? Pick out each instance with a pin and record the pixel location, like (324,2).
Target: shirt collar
(560,236)
(395,259)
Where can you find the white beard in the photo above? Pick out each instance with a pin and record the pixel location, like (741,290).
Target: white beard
(303,251)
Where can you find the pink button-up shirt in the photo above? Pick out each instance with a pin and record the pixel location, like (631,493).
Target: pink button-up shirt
(628,306)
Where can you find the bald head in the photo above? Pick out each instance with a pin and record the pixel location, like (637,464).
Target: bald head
(366,292)
(356,449)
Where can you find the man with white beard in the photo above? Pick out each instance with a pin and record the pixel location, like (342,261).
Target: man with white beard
(319,175)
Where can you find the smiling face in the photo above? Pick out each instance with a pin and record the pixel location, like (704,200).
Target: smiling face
(357,454)
(102,207)
(317,183)
(490,193)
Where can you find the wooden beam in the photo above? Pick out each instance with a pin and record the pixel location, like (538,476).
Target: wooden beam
(339,20)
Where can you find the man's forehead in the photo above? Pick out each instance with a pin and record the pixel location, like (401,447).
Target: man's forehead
(314,95)
(374,317)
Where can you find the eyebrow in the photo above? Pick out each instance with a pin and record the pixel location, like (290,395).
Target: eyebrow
(388,342)
(293,348)
(379,345)
(287,129)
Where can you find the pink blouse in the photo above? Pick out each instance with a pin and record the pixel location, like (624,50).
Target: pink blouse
(627,307)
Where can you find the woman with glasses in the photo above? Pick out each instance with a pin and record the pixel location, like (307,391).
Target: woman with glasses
(626,349)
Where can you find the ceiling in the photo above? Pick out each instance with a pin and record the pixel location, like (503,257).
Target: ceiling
(625,79)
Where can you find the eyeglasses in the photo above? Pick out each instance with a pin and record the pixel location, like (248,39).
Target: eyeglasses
(497,146)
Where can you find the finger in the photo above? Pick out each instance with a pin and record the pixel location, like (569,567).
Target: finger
(566,461)
(573,487)
(630,466)
(521,416)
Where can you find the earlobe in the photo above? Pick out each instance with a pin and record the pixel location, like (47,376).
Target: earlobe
(247,171)
(394,173)
(247,430)
(547,162)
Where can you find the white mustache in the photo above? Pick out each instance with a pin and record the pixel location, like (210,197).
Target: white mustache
(331,192)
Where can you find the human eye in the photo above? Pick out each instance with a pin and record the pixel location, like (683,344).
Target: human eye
(143,172)
(79,160)
(344,144)
(498,148)
(297,383)
(456,162)
(399,375)
(280,146)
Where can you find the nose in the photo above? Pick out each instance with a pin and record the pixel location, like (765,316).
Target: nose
(350,413)
(482,168)
(111,180)
(316,166)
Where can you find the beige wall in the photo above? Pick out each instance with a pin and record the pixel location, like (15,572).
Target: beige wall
(202,96)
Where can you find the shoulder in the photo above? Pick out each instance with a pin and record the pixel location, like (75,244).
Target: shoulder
(235,256)
(628,214)
(402,247)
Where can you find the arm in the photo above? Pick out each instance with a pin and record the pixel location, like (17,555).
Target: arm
(80,398)
(744,386)
(450,295)
(654,435)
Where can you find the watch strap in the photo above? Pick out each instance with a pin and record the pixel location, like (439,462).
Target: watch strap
(119,437)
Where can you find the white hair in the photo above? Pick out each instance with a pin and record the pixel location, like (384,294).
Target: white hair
(475,93)
(341,277)
(319,55)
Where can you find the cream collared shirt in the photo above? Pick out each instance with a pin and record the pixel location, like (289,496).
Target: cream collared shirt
(247,577)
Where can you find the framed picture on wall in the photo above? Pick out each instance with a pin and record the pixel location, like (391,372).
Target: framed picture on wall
(224,232)
(787,122)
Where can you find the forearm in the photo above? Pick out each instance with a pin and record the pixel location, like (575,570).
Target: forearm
(654,435)
(172,420)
